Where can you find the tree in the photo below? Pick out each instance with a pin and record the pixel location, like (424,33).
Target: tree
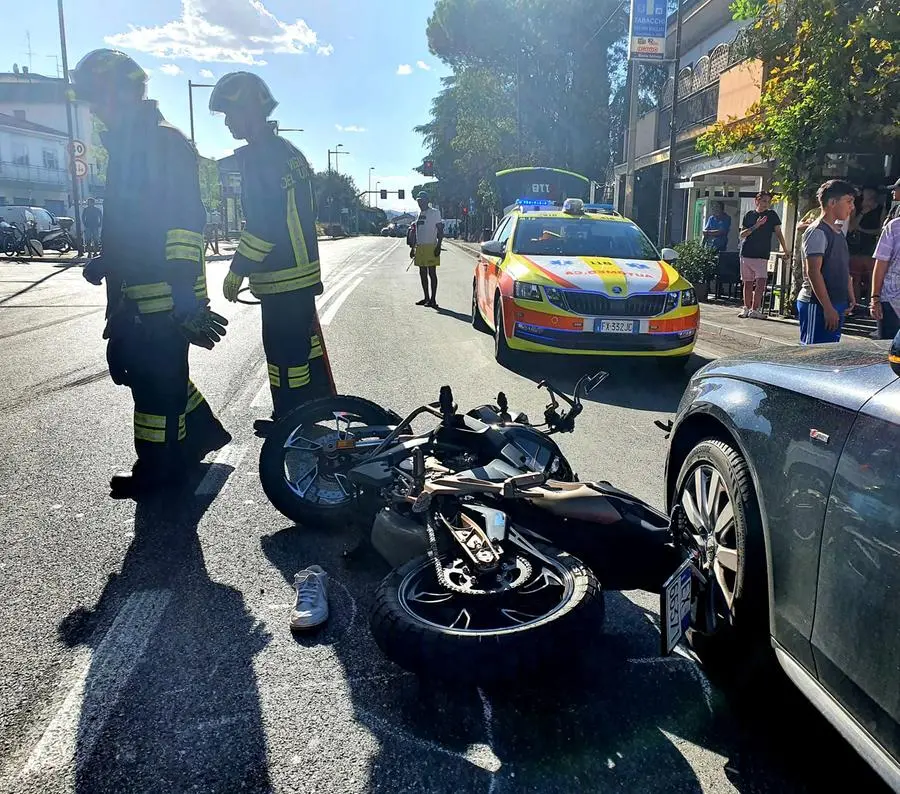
(334,192)
(833,80)
(210,188)
(98,150)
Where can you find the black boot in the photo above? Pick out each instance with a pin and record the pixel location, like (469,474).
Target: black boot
(141,482)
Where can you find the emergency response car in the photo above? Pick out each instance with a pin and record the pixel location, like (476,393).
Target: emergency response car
(581,280)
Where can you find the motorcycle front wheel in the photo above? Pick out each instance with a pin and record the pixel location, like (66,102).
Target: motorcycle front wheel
(307,454)
(488,639)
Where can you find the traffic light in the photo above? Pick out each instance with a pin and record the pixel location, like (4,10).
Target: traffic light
(401,194)
(383,195)
(465,210)
(428,168)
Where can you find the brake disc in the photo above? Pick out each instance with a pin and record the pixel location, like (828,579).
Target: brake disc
(510,574)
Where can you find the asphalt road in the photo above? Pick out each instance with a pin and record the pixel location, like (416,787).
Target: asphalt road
(146,648)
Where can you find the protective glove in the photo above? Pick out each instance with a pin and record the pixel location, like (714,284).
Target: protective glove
(232,286)
(437,250)
(203,328)
(94,271)
(412,252)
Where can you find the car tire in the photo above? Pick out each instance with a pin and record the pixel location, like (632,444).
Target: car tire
(478,322)
(502,351)
(729,616)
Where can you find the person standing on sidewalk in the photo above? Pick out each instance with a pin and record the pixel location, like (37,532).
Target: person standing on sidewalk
(827,293)
(885,302)
(278,252)
(91,219)
(865,226)
(429,233)
(895,209)
(757,229)
(717,228)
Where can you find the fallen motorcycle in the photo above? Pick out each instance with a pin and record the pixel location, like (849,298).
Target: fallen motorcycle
(501,555)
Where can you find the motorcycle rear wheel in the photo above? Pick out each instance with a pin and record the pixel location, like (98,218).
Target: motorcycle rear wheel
(430,631)
(299,467)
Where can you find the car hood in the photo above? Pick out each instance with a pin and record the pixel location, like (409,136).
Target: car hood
(846,374)
(616,277)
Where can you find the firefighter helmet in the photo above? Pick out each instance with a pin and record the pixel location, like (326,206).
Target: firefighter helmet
(102,71)
(244,90)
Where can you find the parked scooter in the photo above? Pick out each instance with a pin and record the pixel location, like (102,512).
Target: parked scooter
(60,239)
(16,243)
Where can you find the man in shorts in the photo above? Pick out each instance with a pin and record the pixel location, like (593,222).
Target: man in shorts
(757,229)
(827,293)
(427,238)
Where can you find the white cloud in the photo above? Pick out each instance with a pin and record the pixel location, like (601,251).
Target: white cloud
(424,66)
(404,68)
(170,69)
(351,128)
(227,31)
(326,50)
(207,74)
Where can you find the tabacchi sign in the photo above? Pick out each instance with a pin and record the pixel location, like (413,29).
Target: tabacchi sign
(647,35)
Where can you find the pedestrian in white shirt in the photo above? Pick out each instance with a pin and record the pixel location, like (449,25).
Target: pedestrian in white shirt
(429,233)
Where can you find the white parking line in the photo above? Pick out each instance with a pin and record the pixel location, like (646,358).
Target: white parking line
(262,396)
(99,679)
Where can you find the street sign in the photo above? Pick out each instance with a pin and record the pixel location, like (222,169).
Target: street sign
(77,149)
(81,168)
(647,35)
(471,205)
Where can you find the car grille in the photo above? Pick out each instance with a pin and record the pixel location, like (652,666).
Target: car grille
(595,304)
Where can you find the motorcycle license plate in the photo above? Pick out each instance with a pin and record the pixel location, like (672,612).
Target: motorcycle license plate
(615,326)
(675,607)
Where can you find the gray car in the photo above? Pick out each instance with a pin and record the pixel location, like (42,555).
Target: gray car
(783,481)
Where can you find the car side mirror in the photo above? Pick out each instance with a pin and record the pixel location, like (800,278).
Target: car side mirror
(894,355)
(493,248)
(669,255)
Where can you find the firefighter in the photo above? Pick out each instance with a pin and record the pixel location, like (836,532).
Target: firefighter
(152,261)
(278,251)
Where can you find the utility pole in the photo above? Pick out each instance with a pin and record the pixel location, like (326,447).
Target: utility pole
(76,193)
(665,216)
(191,87)
(634,75)
(369,195)
(336,151)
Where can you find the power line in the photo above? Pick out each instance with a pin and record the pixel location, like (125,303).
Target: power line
(600,29)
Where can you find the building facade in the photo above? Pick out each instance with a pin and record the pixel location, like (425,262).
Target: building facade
(37,104)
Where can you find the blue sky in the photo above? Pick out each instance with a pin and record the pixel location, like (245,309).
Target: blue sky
(345,71)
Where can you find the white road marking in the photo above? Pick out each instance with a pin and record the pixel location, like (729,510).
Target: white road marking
(217,475)
(488,713)
(332,310)
(262,396)
(99,679)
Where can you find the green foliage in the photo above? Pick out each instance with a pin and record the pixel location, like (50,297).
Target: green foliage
(532,84)
(335,192)
(210,188)
(833,84)
(696,262)
(98,150)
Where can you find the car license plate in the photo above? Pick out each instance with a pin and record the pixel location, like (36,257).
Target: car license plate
(615,326)
(675,607)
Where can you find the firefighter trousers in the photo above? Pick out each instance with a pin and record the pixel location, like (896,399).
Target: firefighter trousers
(174,427)
(297,368)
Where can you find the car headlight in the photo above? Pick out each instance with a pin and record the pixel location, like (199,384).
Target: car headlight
(526,291)
(671,301)
(688,297)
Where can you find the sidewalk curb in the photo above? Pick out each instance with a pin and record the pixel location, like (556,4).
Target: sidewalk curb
(712,330)
(464,247)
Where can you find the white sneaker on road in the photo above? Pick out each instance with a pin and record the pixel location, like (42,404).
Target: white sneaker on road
(311,607)
(745,312)
(756,314)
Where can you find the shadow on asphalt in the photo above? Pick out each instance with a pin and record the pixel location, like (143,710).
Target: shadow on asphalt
(641,384)
(170,699)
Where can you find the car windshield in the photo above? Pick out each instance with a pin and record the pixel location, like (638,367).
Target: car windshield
(582,237)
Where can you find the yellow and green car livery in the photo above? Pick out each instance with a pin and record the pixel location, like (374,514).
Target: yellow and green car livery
(572,280)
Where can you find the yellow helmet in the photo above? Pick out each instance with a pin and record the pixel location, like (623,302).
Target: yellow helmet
(102,71)
(244,90)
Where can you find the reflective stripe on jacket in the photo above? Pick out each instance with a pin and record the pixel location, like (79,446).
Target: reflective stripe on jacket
(278,248)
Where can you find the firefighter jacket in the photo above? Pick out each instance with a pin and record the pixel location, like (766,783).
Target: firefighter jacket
(153,215)
(278,248)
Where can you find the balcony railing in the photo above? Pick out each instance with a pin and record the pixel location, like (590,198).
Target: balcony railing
(34,174)
(694,110)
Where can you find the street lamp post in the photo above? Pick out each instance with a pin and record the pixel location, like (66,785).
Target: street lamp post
(335,152)
(369,194)
(191,87)
(377,194)
(76,198)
